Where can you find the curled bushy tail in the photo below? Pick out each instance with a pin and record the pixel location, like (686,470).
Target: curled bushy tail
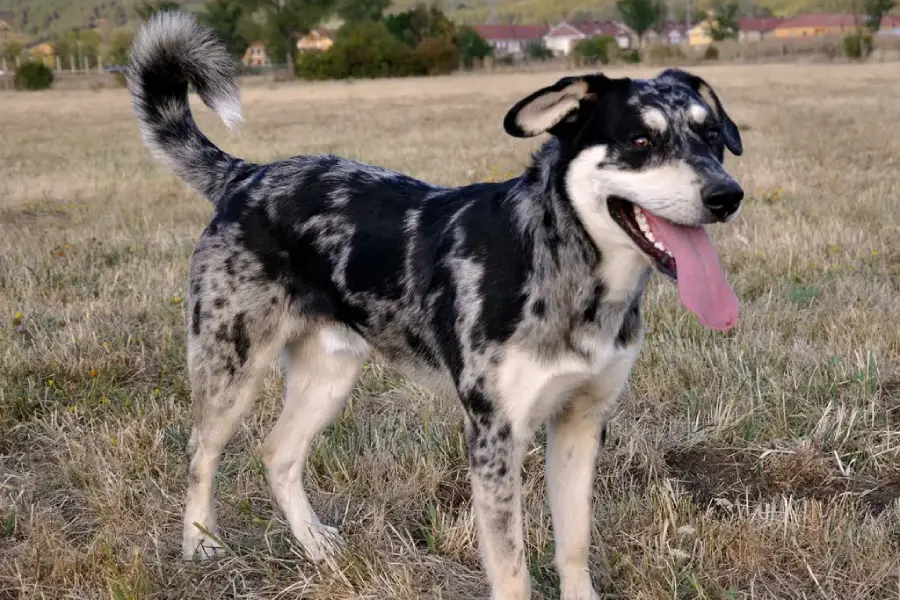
(170,51)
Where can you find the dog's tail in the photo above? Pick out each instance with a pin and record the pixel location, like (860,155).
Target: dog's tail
(170,51)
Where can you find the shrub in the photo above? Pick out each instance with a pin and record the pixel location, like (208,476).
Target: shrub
(438,56)
(711,53)
(595,50)
(632,56)
(506,60)
(536,50)
(858,45)
(472,47)
(663,53)
(364,50)
(33,75)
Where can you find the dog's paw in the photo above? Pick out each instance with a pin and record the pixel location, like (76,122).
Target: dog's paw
(201,547)
(320,541)
(583,590)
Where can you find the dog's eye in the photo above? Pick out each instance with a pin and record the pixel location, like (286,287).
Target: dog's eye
(641,141)
(712,135)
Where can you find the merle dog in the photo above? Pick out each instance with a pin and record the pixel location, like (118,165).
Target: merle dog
(523,297)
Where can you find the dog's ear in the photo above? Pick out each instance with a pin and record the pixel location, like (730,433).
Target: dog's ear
(550,108)
(732,135)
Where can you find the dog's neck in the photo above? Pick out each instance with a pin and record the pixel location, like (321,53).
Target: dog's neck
(555,224)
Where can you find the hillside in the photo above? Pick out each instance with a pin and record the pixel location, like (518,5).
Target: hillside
(49,18)
(41,18)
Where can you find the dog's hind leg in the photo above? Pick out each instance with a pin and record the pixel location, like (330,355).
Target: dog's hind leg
(322,368)
(227,359)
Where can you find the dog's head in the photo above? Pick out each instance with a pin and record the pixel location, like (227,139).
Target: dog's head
(643,168)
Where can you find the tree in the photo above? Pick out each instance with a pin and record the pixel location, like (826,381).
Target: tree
(875,10)
(472,47)
(13,49)
(595,50)
(724,24)
(147,9)
(119,47)
(225,17)
(538,50)
(357,11)
(286,18)
(79,49)
(420,22)
(639,15)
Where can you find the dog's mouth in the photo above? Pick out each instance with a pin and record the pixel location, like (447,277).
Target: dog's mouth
(633,221)
(686,254)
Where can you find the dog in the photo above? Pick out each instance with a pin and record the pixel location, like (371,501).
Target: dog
(521,297)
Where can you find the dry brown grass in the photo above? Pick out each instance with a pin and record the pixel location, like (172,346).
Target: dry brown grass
(761,463)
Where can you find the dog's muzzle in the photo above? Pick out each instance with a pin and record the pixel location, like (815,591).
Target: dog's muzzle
(722,199)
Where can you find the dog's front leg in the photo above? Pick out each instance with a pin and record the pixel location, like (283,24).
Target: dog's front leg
(573,438)
(495,459)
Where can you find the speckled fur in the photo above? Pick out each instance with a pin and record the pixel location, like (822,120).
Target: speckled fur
(521,297)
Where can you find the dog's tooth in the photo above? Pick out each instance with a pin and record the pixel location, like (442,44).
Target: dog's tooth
(659,246)
(637,211)
(649,235)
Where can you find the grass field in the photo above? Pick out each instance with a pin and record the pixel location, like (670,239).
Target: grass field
(759,463)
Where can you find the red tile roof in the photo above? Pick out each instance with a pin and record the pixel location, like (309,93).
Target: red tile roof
(511,32)
(823,20)
(890,21)
(592,28)
(759,23)
(564,29)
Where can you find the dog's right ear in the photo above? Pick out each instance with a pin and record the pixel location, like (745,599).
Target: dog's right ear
(562,102)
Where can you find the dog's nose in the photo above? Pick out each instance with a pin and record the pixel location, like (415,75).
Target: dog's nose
(723,198)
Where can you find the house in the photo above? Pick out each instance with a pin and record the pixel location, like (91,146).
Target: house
(699,35)
(673,33)
(818,24)
(623,34)
(317,40)
(7,18)
(755,29)
(890,25)
(255,55)
(563,37)
(510,39)
(43,52)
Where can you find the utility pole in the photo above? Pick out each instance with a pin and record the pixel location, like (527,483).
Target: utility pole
(687,20)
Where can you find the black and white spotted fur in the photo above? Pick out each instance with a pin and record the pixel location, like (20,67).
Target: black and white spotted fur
(521,297)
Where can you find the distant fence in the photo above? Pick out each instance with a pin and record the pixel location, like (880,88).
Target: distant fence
(93,72)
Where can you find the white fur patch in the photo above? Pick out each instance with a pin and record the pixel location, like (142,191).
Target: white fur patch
(670,190)
(531,389)
(548,109)
(336,341)
(229,110)
(624,262)
(655,119)
(707,96)
(698,113)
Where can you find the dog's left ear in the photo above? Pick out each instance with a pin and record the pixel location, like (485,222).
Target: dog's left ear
(552,108)
(732,135)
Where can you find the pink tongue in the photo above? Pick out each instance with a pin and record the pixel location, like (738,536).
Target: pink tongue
(702,286)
